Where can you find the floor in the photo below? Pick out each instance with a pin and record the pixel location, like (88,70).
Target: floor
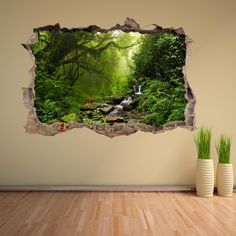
(115,213)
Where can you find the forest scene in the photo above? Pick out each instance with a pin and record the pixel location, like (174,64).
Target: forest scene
(108,78)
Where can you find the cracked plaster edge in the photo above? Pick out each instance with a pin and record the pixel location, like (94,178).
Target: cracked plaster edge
(34,126)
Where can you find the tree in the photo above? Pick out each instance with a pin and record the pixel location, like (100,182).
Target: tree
(161,59)
(66,60)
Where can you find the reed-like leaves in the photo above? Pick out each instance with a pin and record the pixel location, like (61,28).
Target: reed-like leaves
(203,142)
(223,149)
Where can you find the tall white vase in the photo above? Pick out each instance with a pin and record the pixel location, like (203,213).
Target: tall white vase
(205,177)
(224,179)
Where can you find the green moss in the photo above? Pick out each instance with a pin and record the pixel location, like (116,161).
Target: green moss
(70,118)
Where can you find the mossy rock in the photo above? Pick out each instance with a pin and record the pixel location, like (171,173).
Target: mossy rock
(89,107)
(114,119)
(70,118)
(116,99)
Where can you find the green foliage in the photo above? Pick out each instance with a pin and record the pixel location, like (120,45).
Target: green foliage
(87,120)
(164,102)
(155,119)
(76,68)
(95,117)
(203,142)
(177,113)
(47,110)
(223,149)
(70,118)
(73,69)
(161,59)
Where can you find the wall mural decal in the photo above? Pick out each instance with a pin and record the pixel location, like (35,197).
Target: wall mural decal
(114,81)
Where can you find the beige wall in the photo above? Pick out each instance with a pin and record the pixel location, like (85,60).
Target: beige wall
(84,157)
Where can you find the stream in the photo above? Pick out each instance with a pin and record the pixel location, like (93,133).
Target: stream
(126,101)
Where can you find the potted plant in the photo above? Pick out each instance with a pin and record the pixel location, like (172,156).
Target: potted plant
(205,168)
(224,173)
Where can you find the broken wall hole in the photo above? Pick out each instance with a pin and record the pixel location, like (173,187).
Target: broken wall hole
(114,81)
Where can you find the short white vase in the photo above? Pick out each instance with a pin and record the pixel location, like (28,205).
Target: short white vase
(205,177)
(224,179)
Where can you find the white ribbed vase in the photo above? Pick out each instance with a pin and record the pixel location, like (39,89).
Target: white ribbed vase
(205,177)
(224,179)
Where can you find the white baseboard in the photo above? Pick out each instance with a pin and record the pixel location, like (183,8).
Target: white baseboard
(145,188)
(115,188)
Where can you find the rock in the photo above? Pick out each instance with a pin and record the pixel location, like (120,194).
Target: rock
(106,109)
(114,119)
(133,104)
(127,107)
(116,99)
(88,107)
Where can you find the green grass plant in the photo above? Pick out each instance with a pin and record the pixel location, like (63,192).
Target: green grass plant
(223,149)
(203,142)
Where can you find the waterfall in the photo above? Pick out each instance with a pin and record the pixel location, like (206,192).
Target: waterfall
(137,89)
(126,101)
